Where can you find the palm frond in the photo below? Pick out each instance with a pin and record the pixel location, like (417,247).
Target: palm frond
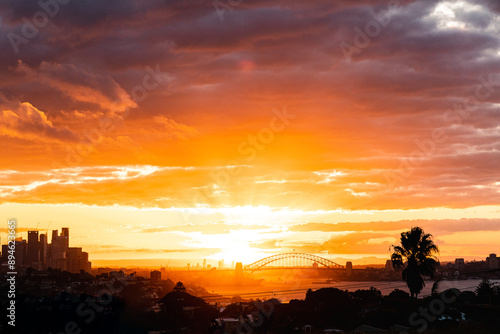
(415,258)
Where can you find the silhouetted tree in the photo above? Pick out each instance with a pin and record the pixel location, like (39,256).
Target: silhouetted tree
(367,296)
(399,294)
(415,259)
(435,287)
(179,287)
(485,290)
(332,307)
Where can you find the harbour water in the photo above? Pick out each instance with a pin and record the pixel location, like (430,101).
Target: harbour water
(297,289)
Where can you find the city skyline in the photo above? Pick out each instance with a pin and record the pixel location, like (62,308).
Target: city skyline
(37,253)
(237,166)
(248,254)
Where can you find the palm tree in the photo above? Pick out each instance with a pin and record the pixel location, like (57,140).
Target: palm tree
(415,259)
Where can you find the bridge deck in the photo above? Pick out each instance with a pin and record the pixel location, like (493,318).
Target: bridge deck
(293,260)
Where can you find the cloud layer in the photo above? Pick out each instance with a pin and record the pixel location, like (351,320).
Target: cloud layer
(353,105)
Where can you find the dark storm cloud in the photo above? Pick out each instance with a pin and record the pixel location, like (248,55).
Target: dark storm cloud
(89,12)
(288,35)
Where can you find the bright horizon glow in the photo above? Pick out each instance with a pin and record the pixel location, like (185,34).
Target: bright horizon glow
(120,232)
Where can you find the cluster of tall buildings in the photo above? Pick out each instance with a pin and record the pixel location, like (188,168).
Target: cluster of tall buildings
(37,253)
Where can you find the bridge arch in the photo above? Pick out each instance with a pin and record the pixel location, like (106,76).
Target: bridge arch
(294,259)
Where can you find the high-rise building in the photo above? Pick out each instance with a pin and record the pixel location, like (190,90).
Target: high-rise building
(38,254)
(74,259)
(43,249)
(204,263)
(33,255)
(5,253)
(21,254)
(155,276)
(86,264)
(77,260)
(492,261)
(58,252)
(65,234)
(55,233)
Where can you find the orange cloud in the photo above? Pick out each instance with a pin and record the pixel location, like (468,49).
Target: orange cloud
(24,121)
(81,86)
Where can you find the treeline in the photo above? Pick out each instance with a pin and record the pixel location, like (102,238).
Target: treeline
(128,310)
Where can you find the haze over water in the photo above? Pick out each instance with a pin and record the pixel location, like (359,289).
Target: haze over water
(297,290)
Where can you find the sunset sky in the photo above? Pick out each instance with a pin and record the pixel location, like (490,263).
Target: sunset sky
(239,129)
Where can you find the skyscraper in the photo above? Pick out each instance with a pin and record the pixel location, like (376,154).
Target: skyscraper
(65,234)
(77,260)
(33,255)
(86,264)
(21,253)
(74,259)
(50,262)
(58,252)
(43,248)
(155,276)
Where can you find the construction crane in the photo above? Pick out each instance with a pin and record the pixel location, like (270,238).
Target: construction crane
(47,230)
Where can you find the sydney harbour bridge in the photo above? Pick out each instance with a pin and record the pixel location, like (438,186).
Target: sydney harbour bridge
(292,260)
